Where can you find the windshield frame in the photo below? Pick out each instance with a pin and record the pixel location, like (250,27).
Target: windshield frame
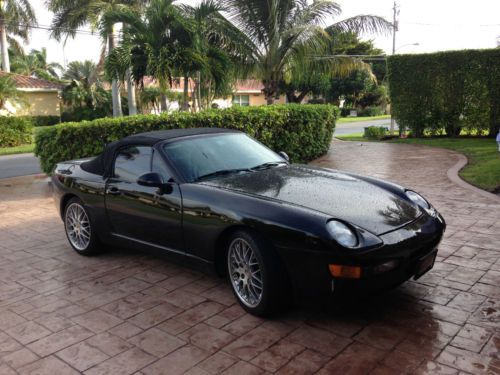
(179,174)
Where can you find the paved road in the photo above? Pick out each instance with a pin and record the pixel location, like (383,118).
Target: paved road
(358,127)
(19,165)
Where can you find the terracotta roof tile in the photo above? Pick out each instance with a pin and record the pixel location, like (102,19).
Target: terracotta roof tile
(25,82)
(242,85)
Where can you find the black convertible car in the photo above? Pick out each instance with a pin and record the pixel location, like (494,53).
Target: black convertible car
(220,198)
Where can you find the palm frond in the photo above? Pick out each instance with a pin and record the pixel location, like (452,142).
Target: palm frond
(363,24)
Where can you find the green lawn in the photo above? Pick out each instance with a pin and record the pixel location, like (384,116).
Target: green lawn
(483,169)
(17,150)
(344,120)
(23,148)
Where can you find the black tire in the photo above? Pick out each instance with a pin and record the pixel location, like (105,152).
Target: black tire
(275,287)
(88,247)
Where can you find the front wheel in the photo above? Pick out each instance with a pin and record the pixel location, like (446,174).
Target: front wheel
(78,227)
(256,274)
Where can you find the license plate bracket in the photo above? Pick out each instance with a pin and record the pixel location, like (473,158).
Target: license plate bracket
(425,264)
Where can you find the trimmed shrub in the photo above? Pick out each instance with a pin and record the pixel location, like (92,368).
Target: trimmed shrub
(15,131)
(370,111)
(43,120)
(304,132)
(375,132)
(446,92)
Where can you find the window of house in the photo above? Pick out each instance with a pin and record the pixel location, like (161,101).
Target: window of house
(241,100)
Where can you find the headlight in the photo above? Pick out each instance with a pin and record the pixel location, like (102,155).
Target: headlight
(417,199)
(342,233)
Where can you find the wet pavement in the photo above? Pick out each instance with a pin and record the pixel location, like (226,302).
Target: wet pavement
(124,312)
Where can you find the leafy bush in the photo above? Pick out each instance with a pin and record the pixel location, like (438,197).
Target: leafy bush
(345,111)
(446,92)
(370,111)
(375,132)
(14,131)
(43,120)
(304,132)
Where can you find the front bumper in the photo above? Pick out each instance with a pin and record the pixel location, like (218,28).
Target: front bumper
(311,277)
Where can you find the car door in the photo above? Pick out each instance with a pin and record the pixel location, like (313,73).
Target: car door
(141,213)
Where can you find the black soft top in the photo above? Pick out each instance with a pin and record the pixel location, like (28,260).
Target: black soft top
(101,164)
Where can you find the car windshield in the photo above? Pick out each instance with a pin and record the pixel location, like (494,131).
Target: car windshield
(199,158)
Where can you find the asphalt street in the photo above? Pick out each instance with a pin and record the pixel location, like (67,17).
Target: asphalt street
(19,165)
(358,127)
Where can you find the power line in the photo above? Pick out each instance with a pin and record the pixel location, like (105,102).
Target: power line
(50,28)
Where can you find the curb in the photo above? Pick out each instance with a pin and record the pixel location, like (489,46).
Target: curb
(35,176)
(452,174)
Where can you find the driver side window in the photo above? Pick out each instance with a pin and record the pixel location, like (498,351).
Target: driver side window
(131,162)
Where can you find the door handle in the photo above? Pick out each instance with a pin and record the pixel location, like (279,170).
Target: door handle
(113,191)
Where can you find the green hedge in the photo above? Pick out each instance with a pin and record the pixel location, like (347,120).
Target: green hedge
(15,131)
(446,92)
(375,132)
(43,120)
(304,132)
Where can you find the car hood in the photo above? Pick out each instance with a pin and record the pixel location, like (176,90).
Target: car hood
(333,193)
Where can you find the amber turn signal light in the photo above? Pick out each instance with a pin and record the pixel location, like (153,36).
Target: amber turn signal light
(346,272)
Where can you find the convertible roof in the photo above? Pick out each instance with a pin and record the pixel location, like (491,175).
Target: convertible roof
(101,164)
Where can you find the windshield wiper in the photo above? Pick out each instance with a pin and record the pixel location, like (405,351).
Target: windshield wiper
(268,165)
(222,172)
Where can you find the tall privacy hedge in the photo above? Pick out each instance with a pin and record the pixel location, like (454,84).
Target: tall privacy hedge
(304,132)
(445,92)
(14,131)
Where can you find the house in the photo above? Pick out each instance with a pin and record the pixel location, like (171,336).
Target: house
(39,97)
(247,92)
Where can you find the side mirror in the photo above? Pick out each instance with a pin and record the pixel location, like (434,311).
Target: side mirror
(151,179)
(284,155)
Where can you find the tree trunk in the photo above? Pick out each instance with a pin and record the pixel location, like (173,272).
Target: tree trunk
(198,89)
(132,104)
(292,98)
(270,91)
(185,94)
(4,46)
(115,85)
(163,103)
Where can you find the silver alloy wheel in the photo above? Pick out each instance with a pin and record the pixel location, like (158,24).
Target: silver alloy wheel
(77,226)
(245,272)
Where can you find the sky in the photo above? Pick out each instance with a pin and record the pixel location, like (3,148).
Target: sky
(435,25)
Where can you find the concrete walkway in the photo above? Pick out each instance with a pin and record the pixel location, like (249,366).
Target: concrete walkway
(125,313)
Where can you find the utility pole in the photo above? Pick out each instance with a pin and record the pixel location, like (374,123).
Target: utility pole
(395,13)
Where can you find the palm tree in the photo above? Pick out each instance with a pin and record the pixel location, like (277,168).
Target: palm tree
(85,96)
(155,44)
(69,15)
(283,32)
(84,84)
(35,64)
(16,18)
(8,90)
(218,43)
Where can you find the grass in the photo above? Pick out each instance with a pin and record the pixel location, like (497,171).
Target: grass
(23,148)
(344,120)
(483,168)
(17,150)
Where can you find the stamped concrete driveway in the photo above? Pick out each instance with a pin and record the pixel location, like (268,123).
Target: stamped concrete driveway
(125,313)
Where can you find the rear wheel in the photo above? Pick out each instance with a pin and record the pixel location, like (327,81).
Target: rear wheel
(256,274)
(78,226)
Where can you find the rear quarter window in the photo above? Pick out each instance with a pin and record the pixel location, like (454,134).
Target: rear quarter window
(132,162)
